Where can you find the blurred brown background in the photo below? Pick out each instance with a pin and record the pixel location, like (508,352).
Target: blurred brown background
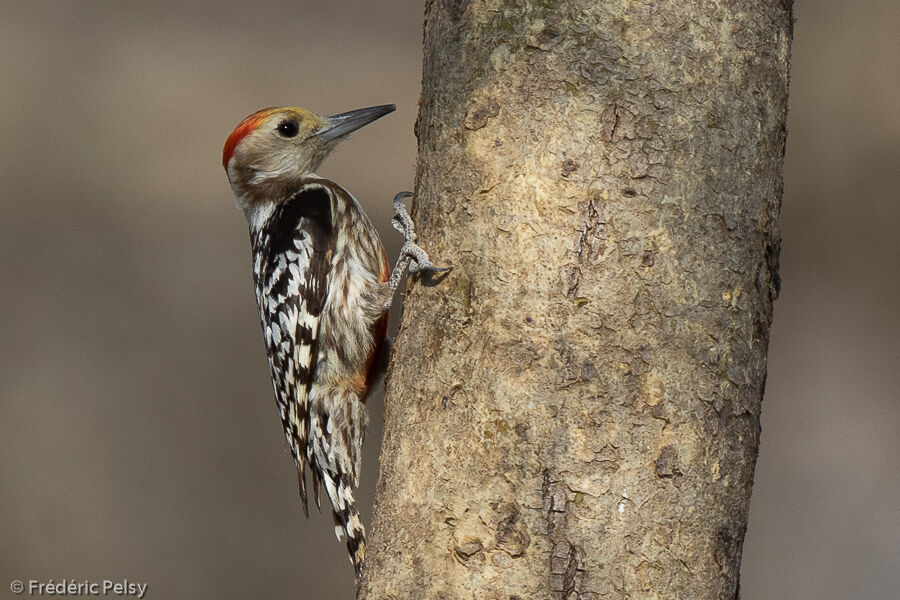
(138,434)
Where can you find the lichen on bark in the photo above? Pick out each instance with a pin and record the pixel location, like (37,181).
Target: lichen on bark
(573,411)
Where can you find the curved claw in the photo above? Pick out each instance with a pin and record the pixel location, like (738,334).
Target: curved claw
(415,268)
(401,220)
(434,269)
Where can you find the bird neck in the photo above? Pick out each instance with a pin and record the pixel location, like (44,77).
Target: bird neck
(259,203)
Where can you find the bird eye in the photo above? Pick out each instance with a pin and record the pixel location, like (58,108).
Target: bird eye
(288,128)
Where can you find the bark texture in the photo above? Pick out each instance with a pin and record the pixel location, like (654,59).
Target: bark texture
(573,411)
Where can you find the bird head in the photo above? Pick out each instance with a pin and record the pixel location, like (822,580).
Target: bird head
(272,149)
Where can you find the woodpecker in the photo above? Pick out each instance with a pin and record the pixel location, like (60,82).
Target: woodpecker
(323,286)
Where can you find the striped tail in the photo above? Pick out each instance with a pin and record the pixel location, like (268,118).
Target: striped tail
(346,518)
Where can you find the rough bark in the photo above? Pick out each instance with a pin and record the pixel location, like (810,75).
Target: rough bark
(573,412)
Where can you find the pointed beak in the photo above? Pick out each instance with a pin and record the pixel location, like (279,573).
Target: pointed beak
(340,125)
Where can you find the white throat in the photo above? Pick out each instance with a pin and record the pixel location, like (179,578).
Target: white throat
(257,213)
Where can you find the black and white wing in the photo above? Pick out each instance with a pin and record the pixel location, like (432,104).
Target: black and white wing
(293,250)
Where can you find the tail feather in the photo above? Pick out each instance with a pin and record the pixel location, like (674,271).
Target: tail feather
(346,518)
(337,427)
(301,477)
(316,496)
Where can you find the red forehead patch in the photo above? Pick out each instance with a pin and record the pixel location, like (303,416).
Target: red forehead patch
(245,128)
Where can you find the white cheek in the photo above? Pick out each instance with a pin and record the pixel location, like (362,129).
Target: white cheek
(279,165)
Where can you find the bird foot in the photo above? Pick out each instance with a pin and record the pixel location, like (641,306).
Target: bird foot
(412,257)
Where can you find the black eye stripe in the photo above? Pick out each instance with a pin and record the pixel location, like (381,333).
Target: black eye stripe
(288,128)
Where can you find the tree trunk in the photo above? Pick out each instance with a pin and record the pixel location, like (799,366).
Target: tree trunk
(573,411)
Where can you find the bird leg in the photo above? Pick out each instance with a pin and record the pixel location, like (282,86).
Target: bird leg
(412,257)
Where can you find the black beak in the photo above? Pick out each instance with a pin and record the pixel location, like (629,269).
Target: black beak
(340,125)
